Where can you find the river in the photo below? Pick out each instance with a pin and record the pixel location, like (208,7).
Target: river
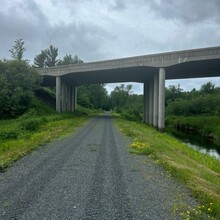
(197,142)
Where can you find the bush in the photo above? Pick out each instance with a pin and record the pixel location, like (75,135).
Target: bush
(132,114)
(7,135)
(17,82)
(32,124)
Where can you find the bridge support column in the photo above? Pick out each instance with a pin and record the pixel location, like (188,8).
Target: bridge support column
(58,94)
(146,102)
(63,97)
(161,101)
(75,98)
(68,98)
(151,95)
(72,98)
(155,100)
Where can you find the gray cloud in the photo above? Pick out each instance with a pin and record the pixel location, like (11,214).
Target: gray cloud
(189,11)
(118,5)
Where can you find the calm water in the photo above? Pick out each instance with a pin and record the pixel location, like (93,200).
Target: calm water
(197,142)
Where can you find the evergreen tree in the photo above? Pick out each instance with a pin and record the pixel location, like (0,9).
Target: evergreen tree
(47,57)
(18,49)
(39,60)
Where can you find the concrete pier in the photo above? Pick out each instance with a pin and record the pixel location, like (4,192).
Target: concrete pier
(155,103)
(151,100)
(161,101)
(58,94)
(146,102)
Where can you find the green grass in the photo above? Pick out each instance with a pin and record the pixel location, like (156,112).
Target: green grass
(201,173)
(204,125)
(20,136)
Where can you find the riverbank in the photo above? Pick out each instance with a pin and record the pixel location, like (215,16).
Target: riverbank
(206,126)
(201,173)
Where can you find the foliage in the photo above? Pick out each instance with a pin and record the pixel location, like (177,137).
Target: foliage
(93,96)
(69,59)
(17,82)
(47,57)
(39,60)
(202,102)
(18,49)
(119,96)
(173,92)
(128,104)
(51,56)
(31,124)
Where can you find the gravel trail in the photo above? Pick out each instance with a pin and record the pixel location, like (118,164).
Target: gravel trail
(90,175)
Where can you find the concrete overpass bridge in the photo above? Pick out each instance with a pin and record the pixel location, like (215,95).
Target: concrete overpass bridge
(151,70)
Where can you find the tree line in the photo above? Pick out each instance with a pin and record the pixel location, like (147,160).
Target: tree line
(205,101)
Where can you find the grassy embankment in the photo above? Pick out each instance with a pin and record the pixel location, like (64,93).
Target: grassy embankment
(206,126)
(37,127)
(199,172)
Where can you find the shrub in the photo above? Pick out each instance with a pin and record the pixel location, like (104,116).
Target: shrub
(7,135)
(32,124)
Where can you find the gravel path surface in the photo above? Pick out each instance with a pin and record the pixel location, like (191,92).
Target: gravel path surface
(90,175)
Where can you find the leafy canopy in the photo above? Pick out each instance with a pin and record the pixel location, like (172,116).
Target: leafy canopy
(17,82)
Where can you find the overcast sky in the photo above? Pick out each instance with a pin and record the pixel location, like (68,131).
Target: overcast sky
(107,29)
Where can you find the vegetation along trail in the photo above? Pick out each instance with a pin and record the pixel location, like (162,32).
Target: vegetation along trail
(89,175)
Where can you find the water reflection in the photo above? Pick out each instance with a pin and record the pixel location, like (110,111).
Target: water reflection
(197,142)
(211,152)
